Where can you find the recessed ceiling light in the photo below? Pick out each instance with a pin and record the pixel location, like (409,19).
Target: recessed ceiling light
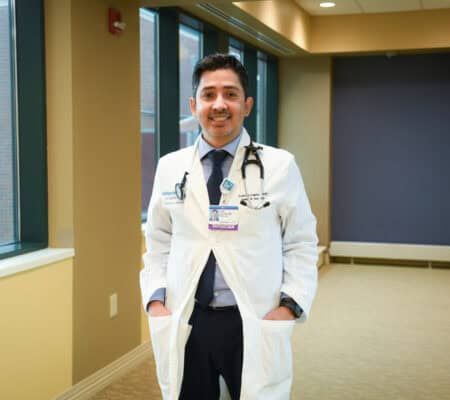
(327,4)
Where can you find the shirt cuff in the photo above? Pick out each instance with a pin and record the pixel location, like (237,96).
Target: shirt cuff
(158,295)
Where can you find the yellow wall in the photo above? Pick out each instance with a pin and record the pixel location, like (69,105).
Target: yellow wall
(59,122)
(106,131)
(94,171)
(36,332)
(304,128)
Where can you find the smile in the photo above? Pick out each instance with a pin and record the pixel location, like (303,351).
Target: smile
(221,118)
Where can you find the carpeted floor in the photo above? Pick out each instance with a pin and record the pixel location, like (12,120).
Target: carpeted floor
(375,333)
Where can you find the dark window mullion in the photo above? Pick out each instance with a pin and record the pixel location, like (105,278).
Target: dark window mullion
(168,127)
(272,102)
(31,121)
(210,41)
(251,64)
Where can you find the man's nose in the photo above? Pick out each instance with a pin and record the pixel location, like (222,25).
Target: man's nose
(219,103)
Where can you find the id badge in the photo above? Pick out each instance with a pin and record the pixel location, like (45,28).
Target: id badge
(223,218)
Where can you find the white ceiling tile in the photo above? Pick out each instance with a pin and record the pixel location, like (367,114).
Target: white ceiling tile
(381,6)
(433,4)
(342,7)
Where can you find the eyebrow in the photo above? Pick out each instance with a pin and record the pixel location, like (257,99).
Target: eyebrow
(225,87)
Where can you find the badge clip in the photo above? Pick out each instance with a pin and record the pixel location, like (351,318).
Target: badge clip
(226,186)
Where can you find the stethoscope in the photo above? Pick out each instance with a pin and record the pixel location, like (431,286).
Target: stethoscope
(250,150)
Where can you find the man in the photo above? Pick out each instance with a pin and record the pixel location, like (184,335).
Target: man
(230,262)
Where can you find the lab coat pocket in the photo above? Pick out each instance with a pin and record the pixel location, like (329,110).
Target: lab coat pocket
(276,357)
(160,328)
(256,222)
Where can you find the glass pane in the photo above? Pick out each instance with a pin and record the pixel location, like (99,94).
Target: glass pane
(261,100)
(8,178)
(148,103)
(190,53)
(234,51)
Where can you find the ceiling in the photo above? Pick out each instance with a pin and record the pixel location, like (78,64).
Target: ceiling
(371,6)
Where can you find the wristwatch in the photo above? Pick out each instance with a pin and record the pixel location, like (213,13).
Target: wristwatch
(292,305)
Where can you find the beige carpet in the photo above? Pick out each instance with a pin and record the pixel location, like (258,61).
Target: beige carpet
(375,333)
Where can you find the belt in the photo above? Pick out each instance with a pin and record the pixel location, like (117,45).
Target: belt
(218,308)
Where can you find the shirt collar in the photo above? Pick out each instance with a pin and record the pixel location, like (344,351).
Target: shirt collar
(204,147)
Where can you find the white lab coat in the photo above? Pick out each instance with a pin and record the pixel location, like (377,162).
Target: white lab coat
(273,251)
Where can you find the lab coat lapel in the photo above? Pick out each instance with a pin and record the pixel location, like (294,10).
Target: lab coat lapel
(235,169)
(196,188)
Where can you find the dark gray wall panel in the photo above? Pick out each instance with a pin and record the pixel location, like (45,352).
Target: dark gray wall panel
(391,149)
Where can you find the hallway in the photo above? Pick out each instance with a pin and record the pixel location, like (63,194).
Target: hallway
(375,333)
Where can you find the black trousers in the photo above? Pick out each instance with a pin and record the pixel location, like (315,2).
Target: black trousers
(214,347)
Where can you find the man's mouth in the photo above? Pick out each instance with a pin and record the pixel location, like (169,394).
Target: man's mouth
(219,118)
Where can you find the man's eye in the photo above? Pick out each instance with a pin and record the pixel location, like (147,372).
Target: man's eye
(208,95)
(232,95)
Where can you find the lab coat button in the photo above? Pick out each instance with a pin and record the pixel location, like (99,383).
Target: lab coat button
(216,294)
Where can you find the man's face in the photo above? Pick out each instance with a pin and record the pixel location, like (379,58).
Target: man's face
(220,106)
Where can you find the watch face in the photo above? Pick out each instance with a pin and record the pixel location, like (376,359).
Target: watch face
(298,311)
(293,306)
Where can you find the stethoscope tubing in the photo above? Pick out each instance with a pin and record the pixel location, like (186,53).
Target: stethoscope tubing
(180,187)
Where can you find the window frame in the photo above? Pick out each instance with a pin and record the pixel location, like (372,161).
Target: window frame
(30,117)
(153,113)
(213,40)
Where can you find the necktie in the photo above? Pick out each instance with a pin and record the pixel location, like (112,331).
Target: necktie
(205,286)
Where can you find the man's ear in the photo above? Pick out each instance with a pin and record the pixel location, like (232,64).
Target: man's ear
(193,106)
(248,105)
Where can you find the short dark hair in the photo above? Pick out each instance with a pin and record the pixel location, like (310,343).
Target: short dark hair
(217,61)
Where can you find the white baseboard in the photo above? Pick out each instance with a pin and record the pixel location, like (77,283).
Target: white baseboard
(89,386)
(390,251)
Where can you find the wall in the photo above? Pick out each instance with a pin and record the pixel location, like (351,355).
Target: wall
(58,59)
(304,128)
(390,144)
(36,332)
(106,131)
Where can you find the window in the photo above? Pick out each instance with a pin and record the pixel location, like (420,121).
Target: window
(190,43)
(171,44)
(8,171)
(236,48)
(148,104)
(23,174)
(261,97)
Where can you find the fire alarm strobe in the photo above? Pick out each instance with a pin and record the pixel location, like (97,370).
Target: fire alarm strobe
(116,26)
